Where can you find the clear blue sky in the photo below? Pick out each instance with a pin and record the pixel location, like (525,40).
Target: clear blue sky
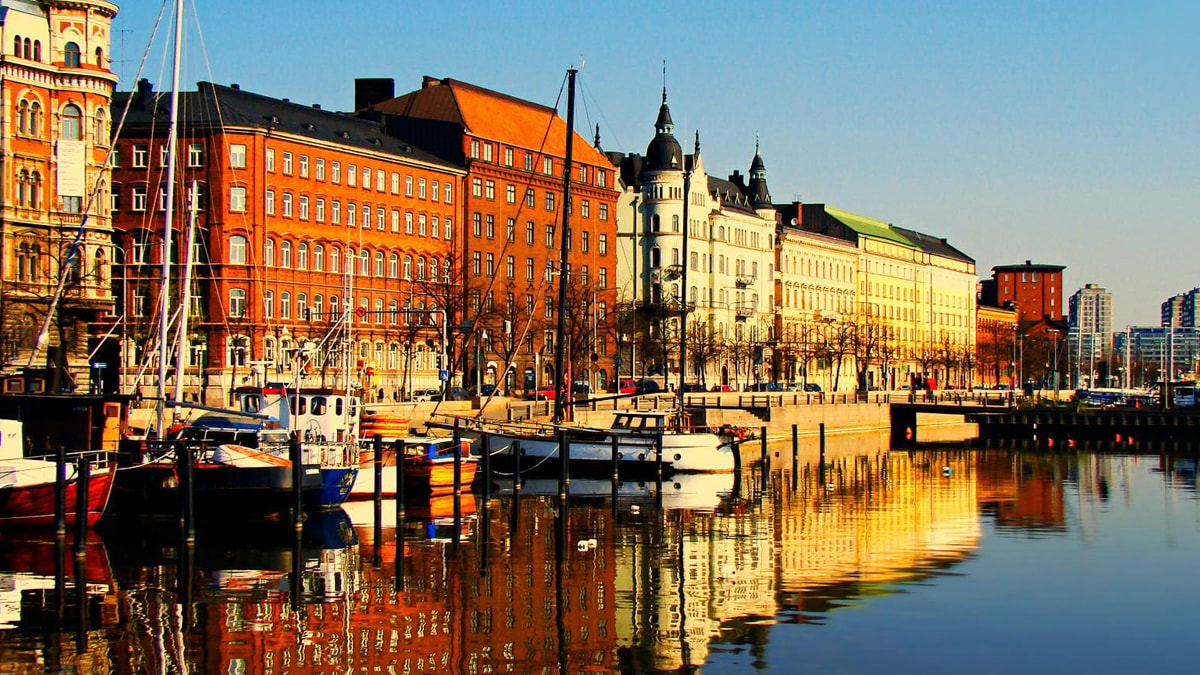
(1063,132)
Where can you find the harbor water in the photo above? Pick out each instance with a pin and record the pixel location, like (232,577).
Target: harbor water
(933,561)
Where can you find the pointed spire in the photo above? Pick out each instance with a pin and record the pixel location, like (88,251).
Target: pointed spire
(697,151)
(664,82)
(596,138)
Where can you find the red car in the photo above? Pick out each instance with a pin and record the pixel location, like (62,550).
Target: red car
(545,393)
(722,388)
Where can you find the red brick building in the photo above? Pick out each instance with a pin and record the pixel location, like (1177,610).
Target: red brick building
(313,229)
(1035,290)
(513,152)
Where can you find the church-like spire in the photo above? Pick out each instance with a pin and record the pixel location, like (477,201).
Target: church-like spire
(760,196)
(664,152)
(596,138)
(697,150)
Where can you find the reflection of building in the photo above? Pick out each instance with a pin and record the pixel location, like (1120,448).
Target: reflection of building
(1022,491)
(55,137)
(996,344)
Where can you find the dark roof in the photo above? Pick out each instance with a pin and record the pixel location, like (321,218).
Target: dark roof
(1029,267)
(730,195)
(934,245)
(219,106)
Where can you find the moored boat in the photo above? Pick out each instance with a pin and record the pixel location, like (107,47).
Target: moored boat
(428,468)
(27,485)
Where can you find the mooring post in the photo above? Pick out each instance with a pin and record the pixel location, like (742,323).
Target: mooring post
(459,449)
(186,470)
(658,460)
(399,447)
(486,443)
(822,469)
(296,453)
(82,476)
(377,466)
(762,433)
(60,492)
(515,449)
(795,457)
(564,456)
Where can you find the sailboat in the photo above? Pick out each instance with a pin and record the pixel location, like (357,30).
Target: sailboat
(642,442)
(27,485)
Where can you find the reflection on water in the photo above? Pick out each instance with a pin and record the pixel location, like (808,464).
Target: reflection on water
(659,580)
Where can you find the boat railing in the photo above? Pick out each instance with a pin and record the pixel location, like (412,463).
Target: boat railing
(97,458)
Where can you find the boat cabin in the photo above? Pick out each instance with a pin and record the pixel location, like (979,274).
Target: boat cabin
(644,422)
(218,429)
(318,414)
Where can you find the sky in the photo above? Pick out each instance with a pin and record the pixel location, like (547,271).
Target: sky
(1062,132)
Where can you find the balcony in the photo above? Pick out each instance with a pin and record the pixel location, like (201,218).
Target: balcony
(744,281)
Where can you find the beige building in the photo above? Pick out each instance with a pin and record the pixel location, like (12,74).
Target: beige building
(54,213)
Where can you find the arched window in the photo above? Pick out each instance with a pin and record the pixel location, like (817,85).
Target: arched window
(99,57)
(37,50)
(334,254)
(365,266)
(71,55)
(70,127)
(319,258)
(237,302)
(237,351)
(349,264)
(269,252)
(302,256)
(23,188)
(379,263)
(237,250)
(408,267)
(23,117)
(285,253)
(100,268)
(433,269)
(35,119)
(420,268)
(333,307)
(318,307)
(27,52)
(393,265)
(100,133)
(16,45)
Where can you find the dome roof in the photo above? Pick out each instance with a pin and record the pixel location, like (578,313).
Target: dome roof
(664,152)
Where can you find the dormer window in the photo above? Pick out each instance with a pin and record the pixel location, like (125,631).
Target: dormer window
(71,55)
(274,119)
(344,134)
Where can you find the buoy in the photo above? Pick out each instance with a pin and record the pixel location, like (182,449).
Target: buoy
(581,546)
(634,508)
(947,471)
(1050,442)
(1070,442)
(829,486)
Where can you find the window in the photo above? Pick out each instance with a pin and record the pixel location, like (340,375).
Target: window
(489,190)
(550,236)
(380,180)
(490,268)
(393,265)
(137,201)
(303,207)
(162,155)
(269,252)
(408,186)
(319,258)
(379,263)
(511,230)
(604,212)
(585,208)
(287,205)
(285,254)
(319,168)
(237,250)
(270,159)
(335,168)
(352,175)
(510,194)
(395,220)
(529,269)
(285,305)
(447,227)
(304,166)
(476,267)
(529,198)
(420,268)
(366,178)
(583,174)
(141,153)
(366,216)
(476,225)
(395,183)
(195,155)
(474,148)
(583,242)
(421,225)
(603,278)
(447,191)
(408,267)
(237,156)
(237,302)
(71,55)
(320,209)
(491,226)
(408,222)
(510,266)
(237,199)
(302,256)
(351,211)
(487,152)
(549,201)
(548,166)
(508,157)
(529,161)
(269,304)
(421,188)
(603,244)
(477,187)
(335,212)
(287,163)
(529,232)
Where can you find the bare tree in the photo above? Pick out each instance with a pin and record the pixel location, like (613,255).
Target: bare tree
(704,347)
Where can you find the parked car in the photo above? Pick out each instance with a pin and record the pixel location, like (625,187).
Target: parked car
(458,394)
(545,393)
(623,386)
(812,387)
(489,390)
(427,395)
(763,386)
(581,388)
(722,387)
(692,386)
(647,387)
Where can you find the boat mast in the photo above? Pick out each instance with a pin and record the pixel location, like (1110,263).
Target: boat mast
(561,392)
(185,291)
(164,292)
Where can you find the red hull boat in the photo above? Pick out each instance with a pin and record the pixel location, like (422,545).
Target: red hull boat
(33,505)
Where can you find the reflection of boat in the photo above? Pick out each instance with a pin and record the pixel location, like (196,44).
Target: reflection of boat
(428,469)
(636,433)
(362,513)
(27,485)
(696,492)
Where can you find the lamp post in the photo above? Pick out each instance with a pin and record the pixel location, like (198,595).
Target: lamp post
(480,338)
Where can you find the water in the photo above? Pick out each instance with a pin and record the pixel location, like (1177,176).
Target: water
(1003,563)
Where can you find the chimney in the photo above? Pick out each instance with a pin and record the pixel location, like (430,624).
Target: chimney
(371,90)
(429,81)
(235,86)
(145,92)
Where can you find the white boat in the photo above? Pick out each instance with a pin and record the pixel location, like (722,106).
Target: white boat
(690,492)
(637,436)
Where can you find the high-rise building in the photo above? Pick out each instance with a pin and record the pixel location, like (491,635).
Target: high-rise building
(55,230)
(1090,336)
(1179,311)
